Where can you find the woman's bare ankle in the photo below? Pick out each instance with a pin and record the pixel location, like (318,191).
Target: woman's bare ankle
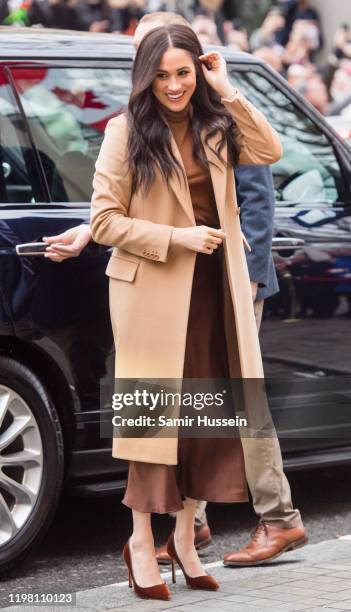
(184,538)
(142,543)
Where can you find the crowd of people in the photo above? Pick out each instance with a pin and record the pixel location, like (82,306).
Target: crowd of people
(289,38)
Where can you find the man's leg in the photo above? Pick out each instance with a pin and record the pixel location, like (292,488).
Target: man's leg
(280,526)
(270,490)
(203,534)
(258,310)
(200,514)
(269,487)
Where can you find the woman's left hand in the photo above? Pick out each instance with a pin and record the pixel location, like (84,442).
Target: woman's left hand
(217,76)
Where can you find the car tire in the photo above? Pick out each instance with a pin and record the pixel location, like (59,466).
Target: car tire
(31,461)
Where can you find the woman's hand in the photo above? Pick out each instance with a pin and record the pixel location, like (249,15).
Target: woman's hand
(68,244)
(200,238)
(214,68)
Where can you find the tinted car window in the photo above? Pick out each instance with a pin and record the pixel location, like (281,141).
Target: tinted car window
(67,111)
(308,172)
(18,170)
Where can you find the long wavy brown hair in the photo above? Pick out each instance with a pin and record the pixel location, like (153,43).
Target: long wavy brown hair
(149,142)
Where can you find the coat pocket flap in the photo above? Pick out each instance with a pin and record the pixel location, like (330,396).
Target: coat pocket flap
(122,269)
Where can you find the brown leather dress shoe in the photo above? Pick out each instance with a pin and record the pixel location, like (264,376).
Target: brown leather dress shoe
(268,542)
(203,538)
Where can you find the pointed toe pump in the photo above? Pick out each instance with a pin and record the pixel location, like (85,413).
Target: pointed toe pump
(207,582)
(156,591)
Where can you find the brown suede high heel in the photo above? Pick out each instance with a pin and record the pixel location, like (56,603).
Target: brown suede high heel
(206,582)
(156,591)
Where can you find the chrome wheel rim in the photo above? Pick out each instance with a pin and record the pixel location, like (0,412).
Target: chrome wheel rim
(21,463)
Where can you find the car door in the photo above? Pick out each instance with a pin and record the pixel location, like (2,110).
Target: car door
(53,120)
(305,334)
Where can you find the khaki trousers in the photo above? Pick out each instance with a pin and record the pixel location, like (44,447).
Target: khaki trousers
(269,487)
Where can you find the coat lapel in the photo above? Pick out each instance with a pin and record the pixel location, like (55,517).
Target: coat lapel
(180,190)
(218,172)
(218,176)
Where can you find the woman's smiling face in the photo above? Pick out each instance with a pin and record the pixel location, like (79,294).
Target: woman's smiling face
(175,80)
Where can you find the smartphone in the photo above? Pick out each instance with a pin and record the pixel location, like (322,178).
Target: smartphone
(31,248)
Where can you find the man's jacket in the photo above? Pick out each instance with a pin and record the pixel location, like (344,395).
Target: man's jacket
(255,193)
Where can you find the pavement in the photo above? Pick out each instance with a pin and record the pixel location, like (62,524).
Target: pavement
(316,578)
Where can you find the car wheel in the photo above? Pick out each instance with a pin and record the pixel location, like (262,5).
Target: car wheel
(31,461)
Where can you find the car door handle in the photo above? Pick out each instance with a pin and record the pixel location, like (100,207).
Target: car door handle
(6,169)
(279,244)
(31,248)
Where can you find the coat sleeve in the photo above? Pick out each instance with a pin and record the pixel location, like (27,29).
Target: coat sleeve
(259,142)
(255,192)
(109,220)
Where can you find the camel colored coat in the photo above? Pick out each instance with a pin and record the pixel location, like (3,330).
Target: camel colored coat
(151,281)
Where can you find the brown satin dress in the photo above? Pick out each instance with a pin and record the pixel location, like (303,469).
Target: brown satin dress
(208,469)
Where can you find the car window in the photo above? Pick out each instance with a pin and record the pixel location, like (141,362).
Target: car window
(19,176)
(67,110)
(308,172)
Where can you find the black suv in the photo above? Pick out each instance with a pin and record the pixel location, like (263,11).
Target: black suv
(57,92)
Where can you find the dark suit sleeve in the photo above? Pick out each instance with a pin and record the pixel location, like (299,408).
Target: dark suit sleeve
(254,185)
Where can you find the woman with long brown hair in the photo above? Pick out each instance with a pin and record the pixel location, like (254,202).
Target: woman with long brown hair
(180,297)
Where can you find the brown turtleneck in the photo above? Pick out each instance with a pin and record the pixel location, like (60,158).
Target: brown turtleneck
(199,178)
